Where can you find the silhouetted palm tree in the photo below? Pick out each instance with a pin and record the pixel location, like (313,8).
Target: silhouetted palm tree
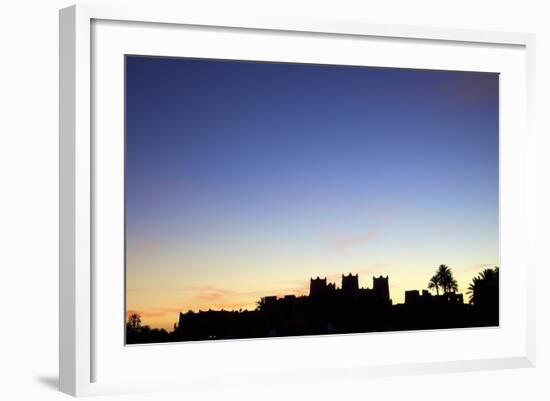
(483,290)
(445,279)
(433,284)
(471,292)
(453,285)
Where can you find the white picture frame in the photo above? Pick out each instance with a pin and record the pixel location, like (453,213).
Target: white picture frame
(78,282)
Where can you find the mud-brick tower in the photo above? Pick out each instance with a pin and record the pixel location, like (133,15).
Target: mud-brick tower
(350,283)
(317,286)
(381,288)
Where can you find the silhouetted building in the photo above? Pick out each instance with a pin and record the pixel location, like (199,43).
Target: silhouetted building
(412,297)
(350,283)
(268,302)
(381,288)
(330,310)
(350,290)
(317,287)
(453,298)
(270,299)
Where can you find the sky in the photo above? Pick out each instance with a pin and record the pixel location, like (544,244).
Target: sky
(244,179)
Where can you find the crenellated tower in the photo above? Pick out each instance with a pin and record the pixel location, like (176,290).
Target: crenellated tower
(317,286)
(381,288)
(350,283)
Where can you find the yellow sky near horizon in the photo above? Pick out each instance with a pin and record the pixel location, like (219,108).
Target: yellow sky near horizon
(159,307)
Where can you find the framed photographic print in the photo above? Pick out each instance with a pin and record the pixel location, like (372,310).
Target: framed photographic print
(239,191)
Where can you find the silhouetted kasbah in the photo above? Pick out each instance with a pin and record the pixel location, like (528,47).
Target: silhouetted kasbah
(329,309)
(380,292)
(414,297)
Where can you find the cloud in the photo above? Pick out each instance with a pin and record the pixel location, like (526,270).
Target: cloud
(211,293)
(343,246)
(470,88)
(465,88)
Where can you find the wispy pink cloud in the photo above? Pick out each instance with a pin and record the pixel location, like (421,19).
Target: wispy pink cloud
(473,89)
(344,245)
(211,293)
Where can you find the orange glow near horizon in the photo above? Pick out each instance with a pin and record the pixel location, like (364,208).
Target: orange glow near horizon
(160,308)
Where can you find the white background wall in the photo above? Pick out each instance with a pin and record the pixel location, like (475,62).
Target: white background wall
(29,187)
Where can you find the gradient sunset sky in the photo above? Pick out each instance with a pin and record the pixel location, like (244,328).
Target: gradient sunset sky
(245,179)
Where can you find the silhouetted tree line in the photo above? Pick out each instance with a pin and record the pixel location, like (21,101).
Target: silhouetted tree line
(138,334)
(331,310)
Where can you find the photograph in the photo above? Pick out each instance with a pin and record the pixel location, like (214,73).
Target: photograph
(274,199)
